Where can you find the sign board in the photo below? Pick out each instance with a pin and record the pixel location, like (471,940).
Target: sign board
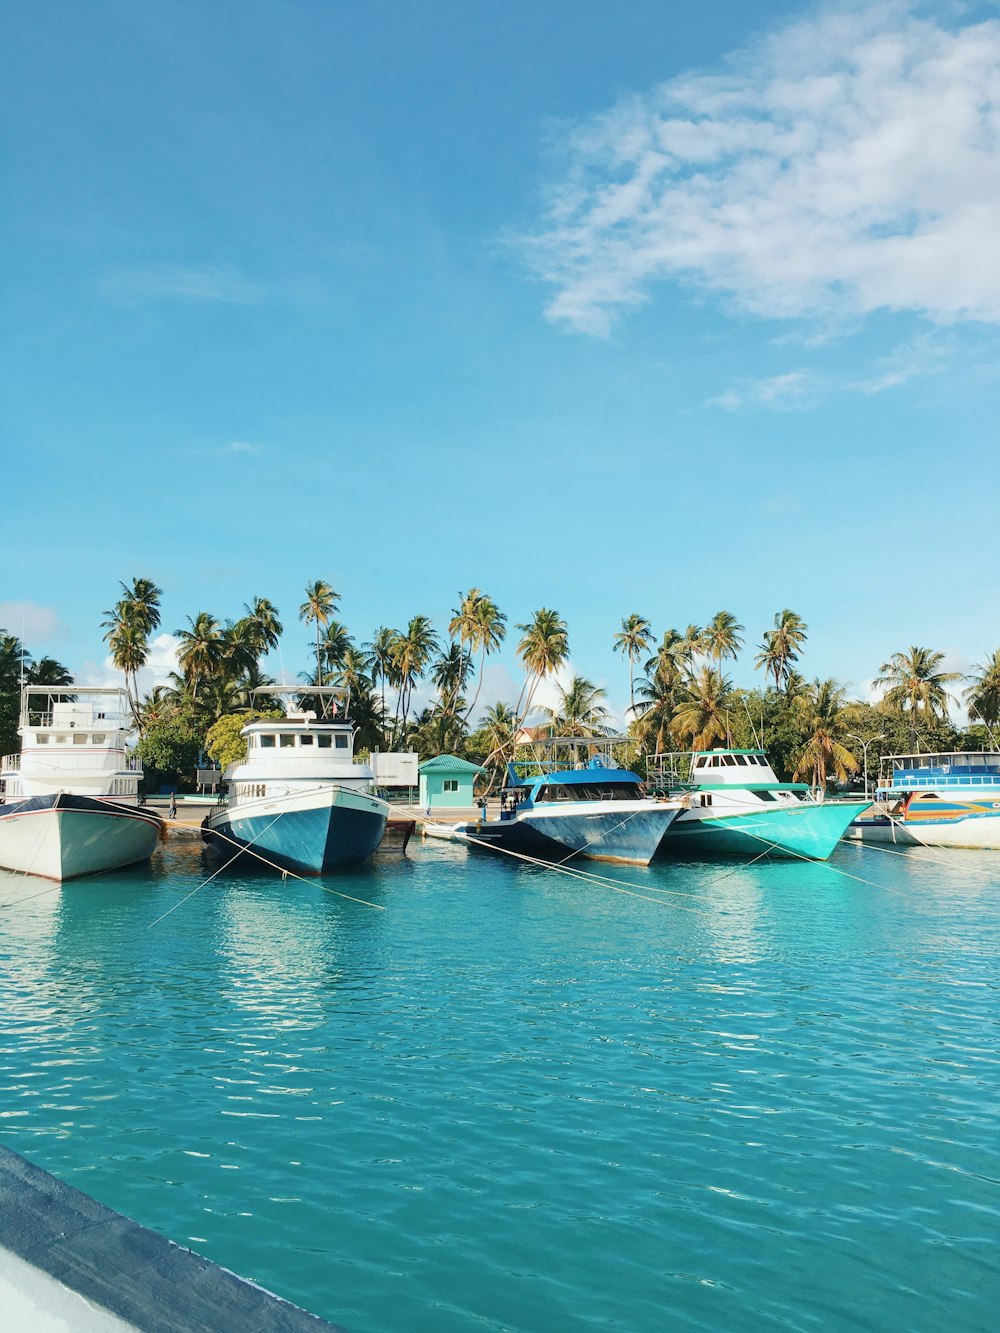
(395,768)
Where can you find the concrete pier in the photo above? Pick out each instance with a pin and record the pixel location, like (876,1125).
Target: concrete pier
(70,1265)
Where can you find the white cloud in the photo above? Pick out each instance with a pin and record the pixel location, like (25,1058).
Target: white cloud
(208,284)
(845,165)
(162,660)
(796,389)
(32,623)
(243,447)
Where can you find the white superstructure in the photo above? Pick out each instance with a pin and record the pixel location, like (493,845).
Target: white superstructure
(69,804)
(300,800)
(75,739)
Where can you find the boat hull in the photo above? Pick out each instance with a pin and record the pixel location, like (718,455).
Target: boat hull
(968,831)
(809,831)
(627,832)
(309,833)
(65,837)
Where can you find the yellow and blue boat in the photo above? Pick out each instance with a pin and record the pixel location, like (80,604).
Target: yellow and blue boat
(936,800)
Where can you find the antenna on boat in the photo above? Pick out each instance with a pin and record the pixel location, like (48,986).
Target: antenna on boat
(753,729)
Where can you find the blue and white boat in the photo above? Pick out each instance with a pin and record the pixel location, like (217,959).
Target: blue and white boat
(299,801)
(735,805)
(936,800)
(69,802)
(592,810)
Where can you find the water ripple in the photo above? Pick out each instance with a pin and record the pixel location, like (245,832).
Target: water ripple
(767,1099)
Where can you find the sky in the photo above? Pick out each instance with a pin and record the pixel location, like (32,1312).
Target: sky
(647,308)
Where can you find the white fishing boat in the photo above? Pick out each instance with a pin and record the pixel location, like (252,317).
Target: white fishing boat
(70,800)
(734,804)
(936,800)
(299,801)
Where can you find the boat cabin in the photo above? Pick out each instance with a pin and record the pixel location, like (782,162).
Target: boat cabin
(591,781)
(708,770)
(951,770)
(73,738)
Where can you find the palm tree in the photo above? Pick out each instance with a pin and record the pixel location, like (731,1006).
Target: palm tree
(450,673)
(200,651)
(317,609)
(579,709)
(914,683)
(238,649)
(702,717)
(413,652)
(141,602)
(129,624)
(983,693)
(721,637)
(47,671)
(781,645)
(384,654)
(543,648)
(267,628)
(692,644)
(820,711)
(129,649)
(335,645)
(481,627)
(633,639)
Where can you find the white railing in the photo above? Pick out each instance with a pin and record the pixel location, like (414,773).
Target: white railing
(11,763)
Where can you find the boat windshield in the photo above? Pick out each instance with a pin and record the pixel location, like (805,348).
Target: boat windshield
(589,791)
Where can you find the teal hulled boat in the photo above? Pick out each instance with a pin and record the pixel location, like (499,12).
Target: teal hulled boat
(735,805)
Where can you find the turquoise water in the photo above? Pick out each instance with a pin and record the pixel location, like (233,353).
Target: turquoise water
(752,1098)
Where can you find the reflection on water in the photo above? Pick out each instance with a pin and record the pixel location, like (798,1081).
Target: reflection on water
(713,1095)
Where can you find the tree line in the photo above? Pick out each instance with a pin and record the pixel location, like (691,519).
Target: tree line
(680,696)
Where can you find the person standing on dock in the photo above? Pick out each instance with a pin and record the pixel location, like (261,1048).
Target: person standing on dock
(173,805)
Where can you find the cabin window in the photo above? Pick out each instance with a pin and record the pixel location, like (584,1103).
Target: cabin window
(449,784)
(287,741)
(97,738)
(42,740)
(706,800)
(730,760)
(342,745)
(266,742)
(324,740)
(305,740)
(79,738)
(62,740)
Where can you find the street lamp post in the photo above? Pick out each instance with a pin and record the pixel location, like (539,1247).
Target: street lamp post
(864,750)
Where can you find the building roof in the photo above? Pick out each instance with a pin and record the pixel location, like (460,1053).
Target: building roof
(449,763)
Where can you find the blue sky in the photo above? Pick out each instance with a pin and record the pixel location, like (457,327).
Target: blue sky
(645,308)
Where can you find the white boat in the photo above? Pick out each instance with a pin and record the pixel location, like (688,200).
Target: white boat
(734,804)
(70,800)
(299,801)
(936,800)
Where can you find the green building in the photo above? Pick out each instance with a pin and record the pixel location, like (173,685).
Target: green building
(446,784)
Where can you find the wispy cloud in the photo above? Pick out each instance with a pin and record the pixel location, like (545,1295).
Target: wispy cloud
(243,447)
(37,624)
(208,284)
(802,389)
(796,389)
(845,165)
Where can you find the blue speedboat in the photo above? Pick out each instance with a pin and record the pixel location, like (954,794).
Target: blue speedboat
(299,801)
(590,810)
